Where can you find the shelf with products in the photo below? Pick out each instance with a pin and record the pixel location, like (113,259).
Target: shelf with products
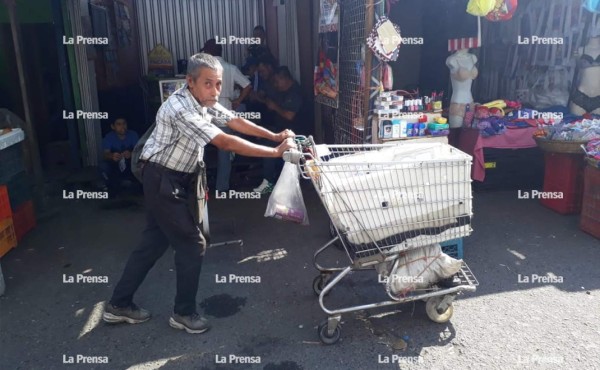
(399,115)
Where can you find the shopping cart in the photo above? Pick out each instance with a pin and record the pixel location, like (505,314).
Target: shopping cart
(383,201)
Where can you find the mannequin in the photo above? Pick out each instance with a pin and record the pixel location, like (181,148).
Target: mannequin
(586,98)
(462,73)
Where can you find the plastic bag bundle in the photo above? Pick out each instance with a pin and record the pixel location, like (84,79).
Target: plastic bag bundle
(418,269)
(286,201)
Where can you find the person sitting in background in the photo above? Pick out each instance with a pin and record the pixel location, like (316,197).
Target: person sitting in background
(266,85)
(285,104)
(262,49)
(231,77)
(263,89)
(117,146)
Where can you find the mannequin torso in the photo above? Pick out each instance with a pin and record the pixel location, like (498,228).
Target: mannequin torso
(462,73)
(586,99)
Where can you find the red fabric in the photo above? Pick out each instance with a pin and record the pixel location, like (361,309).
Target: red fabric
(472,143)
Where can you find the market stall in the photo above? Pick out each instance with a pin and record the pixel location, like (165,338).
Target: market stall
(511,73)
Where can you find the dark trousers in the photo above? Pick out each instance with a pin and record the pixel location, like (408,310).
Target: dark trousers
(271,166)
(113,176)
(272,169)
(171,220)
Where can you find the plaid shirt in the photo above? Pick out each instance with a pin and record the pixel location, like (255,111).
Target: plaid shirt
(183,129)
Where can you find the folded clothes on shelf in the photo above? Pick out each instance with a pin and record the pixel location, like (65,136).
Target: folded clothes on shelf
(584,129)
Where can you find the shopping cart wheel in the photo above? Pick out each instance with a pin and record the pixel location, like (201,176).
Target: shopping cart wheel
(431,307)
(324,335)
(319,283)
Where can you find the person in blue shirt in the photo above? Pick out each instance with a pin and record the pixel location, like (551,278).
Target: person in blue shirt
(117,146)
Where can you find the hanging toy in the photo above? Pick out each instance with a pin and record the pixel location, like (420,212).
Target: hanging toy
(480,8)
(385,40)
(503,11)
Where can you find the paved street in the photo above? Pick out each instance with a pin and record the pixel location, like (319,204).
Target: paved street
(506,324)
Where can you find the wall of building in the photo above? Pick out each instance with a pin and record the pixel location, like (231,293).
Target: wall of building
(183,26)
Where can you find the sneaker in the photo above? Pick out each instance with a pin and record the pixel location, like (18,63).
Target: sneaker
(265,187)
(193,324)
(131,315)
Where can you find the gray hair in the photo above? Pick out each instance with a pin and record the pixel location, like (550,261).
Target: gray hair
(202,60)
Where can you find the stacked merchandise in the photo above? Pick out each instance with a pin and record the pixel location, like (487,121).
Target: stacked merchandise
(574,129)
(394,112)
(15,178)
(495,117)
(508,153)
(590,212)
(565,165)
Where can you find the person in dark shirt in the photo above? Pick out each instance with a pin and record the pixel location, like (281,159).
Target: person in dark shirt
(263,88)
(117,146)
(266,83)
(262,49)
(285,102)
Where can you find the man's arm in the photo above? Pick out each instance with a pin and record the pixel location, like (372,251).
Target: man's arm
(288,115)
(243,95)
(248,128)
(244,83)
(240,146)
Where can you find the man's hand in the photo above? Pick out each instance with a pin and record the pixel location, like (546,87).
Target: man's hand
(235,104)
(286,145)
(271,104)
(258,96)
(127,154)
(115,157)
(285,134)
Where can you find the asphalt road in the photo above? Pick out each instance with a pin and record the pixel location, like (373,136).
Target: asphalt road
(47,322)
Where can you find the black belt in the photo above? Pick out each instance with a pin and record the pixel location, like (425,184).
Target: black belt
(167,169)
(196,182)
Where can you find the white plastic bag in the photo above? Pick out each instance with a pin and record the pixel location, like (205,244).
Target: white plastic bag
(418,269)
(286,201)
